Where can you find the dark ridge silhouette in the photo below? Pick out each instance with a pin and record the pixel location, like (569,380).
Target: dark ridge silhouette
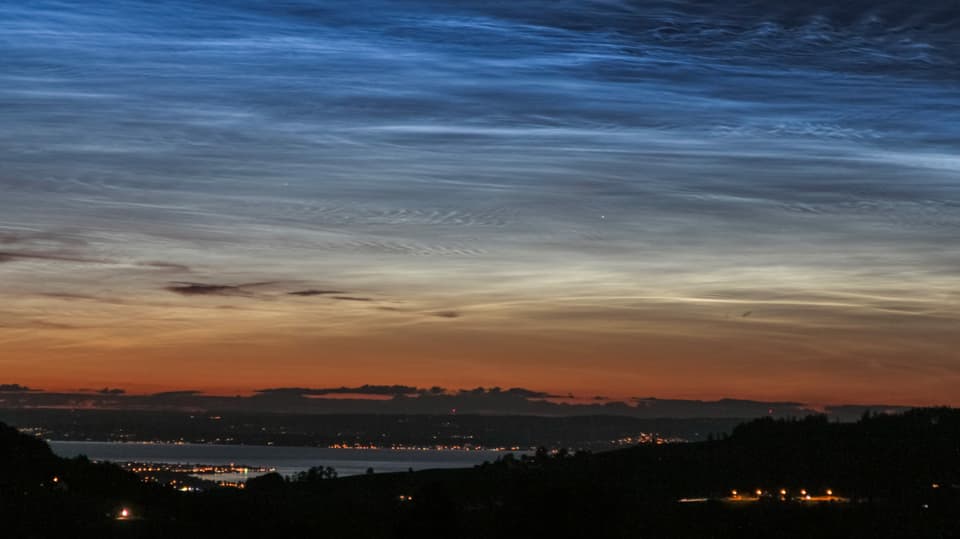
(16,388)
(289,429)
(434,400)
(894,476)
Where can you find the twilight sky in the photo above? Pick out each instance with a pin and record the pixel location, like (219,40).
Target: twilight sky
(680,198)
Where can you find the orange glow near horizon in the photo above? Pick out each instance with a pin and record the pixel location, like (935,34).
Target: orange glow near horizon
(616,366)
(578,330)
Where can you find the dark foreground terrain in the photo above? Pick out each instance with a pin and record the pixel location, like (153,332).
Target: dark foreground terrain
(893,476)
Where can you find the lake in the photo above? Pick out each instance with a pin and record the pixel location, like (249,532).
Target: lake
(286,460)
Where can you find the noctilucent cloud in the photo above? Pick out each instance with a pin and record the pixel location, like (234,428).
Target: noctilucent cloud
(677,198)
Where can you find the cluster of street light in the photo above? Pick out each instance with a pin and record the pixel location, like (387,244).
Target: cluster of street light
(784,494)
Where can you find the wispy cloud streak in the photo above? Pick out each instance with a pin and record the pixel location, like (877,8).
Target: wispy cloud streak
(625,168)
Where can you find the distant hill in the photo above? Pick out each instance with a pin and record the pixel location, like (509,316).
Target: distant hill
(591,432)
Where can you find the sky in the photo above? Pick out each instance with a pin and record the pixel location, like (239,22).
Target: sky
(673,198)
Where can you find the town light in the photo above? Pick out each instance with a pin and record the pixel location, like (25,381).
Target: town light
(783,492)
(829,492)
(124,513)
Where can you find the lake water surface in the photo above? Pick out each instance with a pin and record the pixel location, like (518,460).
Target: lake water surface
(286,460)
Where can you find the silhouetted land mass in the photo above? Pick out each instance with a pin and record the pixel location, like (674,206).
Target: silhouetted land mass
(409,400)
(366,429)
(901,474)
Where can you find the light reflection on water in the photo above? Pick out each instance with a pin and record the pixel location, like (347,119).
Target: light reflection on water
(286,460)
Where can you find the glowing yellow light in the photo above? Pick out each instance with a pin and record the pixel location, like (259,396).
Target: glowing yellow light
(124,513)
(935,485)
(733,492)
(807,497)
(803,492)
(56,479)
(783,492)
(829,492)
(759,492)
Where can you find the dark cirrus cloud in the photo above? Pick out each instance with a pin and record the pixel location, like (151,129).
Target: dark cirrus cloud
(186,288)
(314,292)
(205,289)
